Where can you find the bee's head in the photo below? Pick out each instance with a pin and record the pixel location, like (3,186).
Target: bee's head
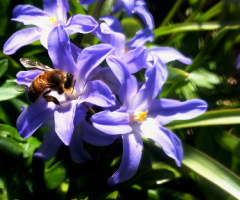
(69,81)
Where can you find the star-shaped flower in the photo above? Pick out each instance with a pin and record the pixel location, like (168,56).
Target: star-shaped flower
(54,13)
(93,92)
(141,114)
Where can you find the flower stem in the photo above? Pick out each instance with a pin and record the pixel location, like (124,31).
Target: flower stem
(89,108)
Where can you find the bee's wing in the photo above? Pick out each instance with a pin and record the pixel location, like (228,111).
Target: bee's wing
(21,88)
(33,64)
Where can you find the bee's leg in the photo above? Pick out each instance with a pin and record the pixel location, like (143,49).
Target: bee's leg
(50,98)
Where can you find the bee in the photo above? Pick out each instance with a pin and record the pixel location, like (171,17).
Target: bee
(50,79)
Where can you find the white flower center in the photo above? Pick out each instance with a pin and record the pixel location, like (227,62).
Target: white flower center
(139,116)
(53,21)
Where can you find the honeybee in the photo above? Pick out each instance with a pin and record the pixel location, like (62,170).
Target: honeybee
(51,79)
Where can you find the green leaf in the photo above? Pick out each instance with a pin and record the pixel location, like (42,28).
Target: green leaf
(194,26)
(3,66)
(113,195)
(106,8)
(130,27)
(11,147)
(204,78)
(55,175)
(7,90)
(4,12)
(211,118)
(76,8)
(9,131)
(211,170)
(175,75)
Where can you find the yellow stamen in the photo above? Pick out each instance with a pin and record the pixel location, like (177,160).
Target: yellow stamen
(70,90)
(141,116)
(52,19)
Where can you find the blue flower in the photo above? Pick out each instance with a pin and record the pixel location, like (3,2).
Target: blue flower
(55,13)
(82,131)
(133,53)
(130,6)
(93,92)
(142,114)
(135,6)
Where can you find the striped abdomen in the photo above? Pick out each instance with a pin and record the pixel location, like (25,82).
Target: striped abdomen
(36,88)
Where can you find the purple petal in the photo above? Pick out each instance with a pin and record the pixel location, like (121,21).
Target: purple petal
(89,59)
(113,24)
(98,93)
(76,51)
(145,16)
(81,24)
(169,142)
(110,79)
(64,118)
(155,76)
(136,59)
(117,7)
(129,5)
(112,123)
(110,32)
(168,54)
(21,38)
(59,8)
(141,37)
(30,15)
(86,2)
(78,154)
(33,117)
(167,110)
(59,50)
(50,145)
(132,153)
(95,137)
(26,77)
(128,83)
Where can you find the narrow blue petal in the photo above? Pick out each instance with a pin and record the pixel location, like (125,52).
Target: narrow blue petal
(136,59)
(117,7)
(81,24)
(21,38)
(145,16)
(57,7)
(141,37)
(112,123)
(98,93)
(95,137)
(169,142)
(132,153)
(128,83)
(110,79)
(59,50)
(89,59)
(26,77)
(86,2)
(112,23)
(78,154)
(156,76)
(50,145)
(64,118)
(34,116)
(76,51)
(167,110)
(168,54)
(129,5)
(30,15)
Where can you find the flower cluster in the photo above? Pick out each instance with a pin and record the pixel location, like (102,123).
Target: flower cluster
(130,109)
